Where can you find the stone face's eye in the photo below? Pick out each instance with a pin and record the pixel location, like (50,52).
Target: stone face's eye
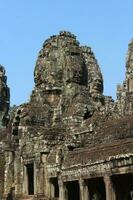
(75,54)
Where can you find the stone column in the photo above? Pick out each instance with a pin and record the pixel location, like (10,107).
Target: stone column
(35,171)
(84,193)
(18,174)
(25,185)
(62,190)
(110,192)
(41,180)
(9,174)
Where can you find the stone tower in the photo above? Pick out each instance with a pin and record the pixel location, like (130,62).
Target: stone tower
(67,79)
(4,97)
(125,91)
(4,118)
(129,68)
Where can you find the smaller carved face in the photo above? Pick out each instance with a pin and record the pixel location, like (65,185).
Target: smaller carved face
(76,69)
(96,86)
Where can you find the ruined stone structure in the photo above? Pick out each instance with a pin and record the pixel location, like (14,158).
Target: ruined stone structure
(69,142)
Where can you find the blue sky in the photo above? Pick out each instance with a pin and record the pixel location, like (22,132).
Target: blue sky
(106,26)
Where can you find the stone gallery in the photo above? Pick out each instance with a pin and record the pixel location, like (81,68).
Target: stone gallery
(69,142)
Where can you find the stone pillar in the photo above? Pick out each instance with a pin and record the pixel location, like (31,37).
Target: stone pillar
(18,174)
(9,172)
(25,185)
(47,186)
(41,180)
(110,192)
(62,190)
(84,193)
(35,177)
(52,190)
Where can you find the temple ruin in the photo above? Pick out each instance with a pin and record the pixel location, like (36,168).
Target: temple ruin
(70,141)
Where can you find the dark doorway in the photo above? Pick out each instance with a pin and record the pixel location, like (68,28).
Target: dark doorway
(97,188)
(30,178)
(11,194)
(73,190)
(123,185)
(54,187)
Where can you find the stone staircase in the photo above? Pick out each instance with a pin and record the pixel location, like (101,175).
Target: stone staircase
(33,197)
(24,197)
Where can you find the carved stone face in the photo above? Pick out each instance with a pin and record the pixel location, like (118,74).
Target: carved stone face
(76,71)
(96,86)
(60,63)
